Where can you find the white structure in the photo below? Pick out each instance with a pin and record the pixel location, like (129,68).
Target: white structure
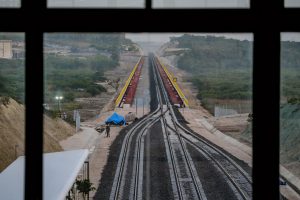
(59,174)
(6,49)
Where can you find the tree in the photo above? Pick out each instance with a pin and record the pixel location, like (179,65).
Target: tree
(84,187)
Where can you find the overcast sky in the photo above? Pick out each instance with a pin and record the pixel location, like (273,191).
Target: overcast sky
(290,36)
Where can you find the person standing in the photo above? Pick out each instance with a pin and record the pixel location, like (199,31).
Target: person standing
(107,130)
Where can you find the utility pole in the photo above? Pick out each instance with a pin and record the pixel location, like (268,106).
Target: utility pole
(59,98)
(143,106)
(136,106)
(16,151)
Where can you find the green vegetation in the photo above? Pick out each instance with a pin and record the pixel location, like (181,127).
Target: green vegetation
(4,100)
(12,79)
(290,108)
(208,53)
(234,84)
(222,68)
(290,70)
(75,77)
(290,82)
(84,187)
(12,36)
(65,75)
(289,133)
(105,41)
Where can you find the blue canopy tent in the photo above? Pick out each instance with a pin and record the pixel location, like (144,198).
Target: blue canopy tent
(115,119)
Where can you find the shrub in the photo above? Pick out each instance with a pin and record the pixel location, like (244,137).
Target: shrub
(293,100)
(4,100)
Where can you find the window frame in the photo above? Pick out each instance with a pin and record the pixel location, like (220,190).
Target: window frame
(258,19)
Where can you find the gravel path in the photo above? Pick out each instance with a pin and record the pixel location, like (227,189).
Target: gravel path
(103,191)
(156,171)
(214,185)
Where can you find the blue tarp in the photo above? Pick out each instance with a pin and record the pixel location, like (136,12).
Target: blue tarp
(116,119)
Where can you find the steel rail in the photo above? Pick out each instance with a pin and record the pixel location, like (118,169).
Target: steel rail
(168,144)
(239,169)
(124,156)
(231,178)
(200,193)
(223,169)
(137,183)
(245,174)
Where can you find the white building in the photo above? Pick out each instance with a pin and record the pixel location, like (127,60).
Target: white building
(60,171)
(6,49)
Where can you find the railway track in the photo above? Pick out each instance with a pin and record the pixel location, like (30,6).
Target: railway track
(237,178)
(188,185)
(122,167)
(185,180)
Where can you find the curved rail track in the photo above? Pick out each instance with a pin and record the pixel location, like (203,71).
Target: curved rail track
(186,183)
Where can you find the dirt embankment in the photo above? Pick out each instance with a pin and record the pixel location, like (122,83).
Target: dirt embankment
(12,132)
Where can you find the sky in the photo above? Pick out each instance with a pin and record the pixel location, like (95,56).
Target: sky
(290,36)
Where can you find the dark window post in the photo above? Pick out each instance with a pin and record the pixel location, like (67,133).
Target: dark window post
(266,74)
(34,116)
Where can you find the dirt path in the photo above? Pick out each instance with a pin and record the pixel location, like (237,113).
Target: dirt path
(198,122)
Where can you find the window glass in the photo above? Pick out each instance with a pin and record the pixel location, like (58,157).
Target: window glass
(12,110)
(292,3)
(104,96)
(10,3)
(290,112)
(201,4)
(96,3)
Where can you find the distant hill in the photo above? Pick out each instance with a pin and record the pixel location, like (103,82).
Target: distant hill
(210,52)
(12,124)
(219,52)
(222,68)
(110,42)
